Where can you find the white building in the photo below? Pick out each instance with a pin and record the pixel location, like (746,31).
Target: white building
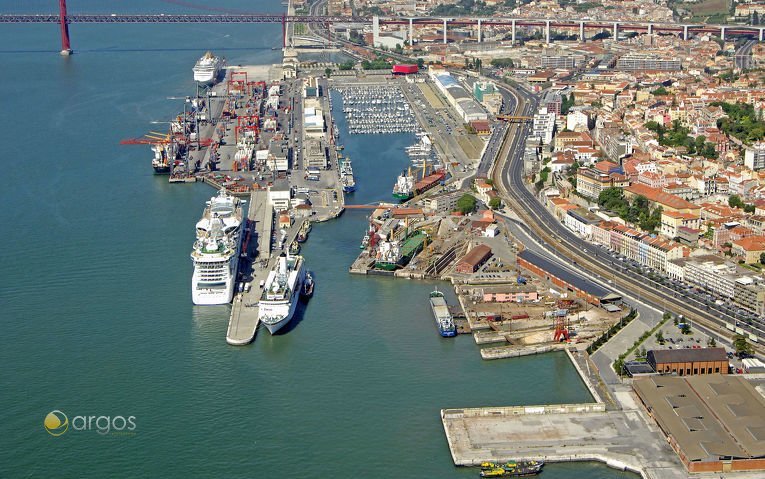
(577,121)
(544,125)
(754,157)
(279,195)
(457,96)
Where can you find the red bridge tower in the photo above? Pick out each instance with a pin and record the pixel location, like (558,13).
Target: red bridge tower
(66,48)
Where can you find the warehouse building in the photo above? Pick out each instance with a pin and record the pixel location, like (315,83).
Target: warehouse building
(458,97)
(715,423)
(688,362)
(474,259)
(566,280)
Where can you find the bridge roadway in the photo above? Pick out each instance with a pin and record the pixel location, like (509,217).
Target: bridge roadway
(580,24)
(508,175)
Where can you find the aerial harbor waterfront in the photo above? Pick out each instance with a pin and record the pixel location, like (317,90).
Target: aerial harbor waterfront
(330,239)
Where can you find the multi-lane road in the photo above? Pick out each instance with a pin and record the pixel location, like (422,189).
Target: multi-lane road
(508,177)
(743,56)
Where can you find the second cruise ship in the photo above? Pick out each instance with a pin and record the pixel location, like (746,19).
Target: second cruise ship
(281,292)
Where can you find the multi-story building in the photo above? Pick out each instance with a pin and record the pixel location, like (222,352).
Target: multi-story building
(749,293)
(634,61)
(543,126)
(749,249)
(667,201)
(567,62)
(712,273)
(315,154)
(444,203)
(615,145)
(580,221)
(648,250)
(672,222)
(754,156)
(590,182)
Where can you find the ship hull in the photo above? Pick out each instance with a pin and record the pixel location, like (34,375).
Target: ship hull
(349,189)
(274,328)
(161,170)
(402,196)
(212,297)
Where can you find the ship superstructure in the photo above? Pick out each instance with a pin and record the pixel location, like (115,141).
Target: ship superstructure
(216,250)
(281,292)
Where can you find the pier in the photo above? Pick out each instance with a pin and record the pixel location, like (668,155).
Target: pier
(560,433)
(243,323)
(244,314)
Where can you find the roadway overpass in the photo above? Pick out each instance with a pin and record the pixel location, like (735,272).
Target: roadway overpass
(547,24)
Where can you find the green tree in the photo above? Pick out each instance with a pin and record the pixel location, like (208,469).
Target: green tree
(741,345)
(661,91)
(502,63)
(762,258)
(420,63)
(347,65)
(666,316)
(496,203)
(712,343)
(327,72)
(685,328)
(659,337)
(466,204)
(734,201)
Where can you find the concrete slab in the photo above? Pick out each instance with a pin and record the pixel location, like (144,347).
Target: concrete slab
(559,433)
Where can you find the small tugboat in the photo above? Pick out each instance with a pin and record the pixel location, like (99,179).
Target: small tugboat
(364,242)
(303,233)
(294,248)
(511,469)
(308,285)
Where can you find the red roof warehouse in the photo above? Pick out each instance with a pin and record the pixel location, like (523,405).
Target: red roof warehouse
(404,69)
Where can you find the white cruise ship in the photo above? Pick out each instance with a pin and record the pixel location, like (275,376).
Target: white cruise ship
(216,251)
(281,292)
(207,70)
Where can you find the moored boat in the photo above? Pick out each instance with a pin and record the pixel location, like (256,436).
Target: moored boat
(443,317)
(281,289)
(511,469)
(308,285)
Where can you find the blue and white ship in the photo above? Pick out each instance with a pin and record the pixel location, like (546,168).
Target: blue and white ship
(346,177)
(441,313)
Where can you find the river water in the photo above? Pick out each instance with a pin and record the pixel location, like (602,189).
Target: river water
(96,310)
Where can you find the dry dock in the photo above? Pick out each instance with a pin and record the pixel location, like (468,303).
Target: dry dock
(560,433)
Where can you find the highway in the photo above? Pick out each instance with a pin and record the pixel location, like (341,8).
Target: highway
(508,177)
(743,59)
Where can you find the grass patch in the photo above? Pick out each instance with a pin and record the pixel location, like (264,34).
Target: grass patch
(708,7)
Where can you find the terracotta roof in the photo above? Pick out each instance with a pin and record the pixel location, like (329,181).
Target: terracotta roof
(751,243)
(658,196)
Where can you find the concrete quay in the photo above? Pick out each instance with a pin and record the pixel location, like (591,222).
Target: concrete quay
(516,351)
(244,314)
(244,321)
(559,433)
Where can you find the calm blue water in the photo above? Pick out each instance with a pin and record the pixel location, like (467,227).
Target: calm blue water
(96,311)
